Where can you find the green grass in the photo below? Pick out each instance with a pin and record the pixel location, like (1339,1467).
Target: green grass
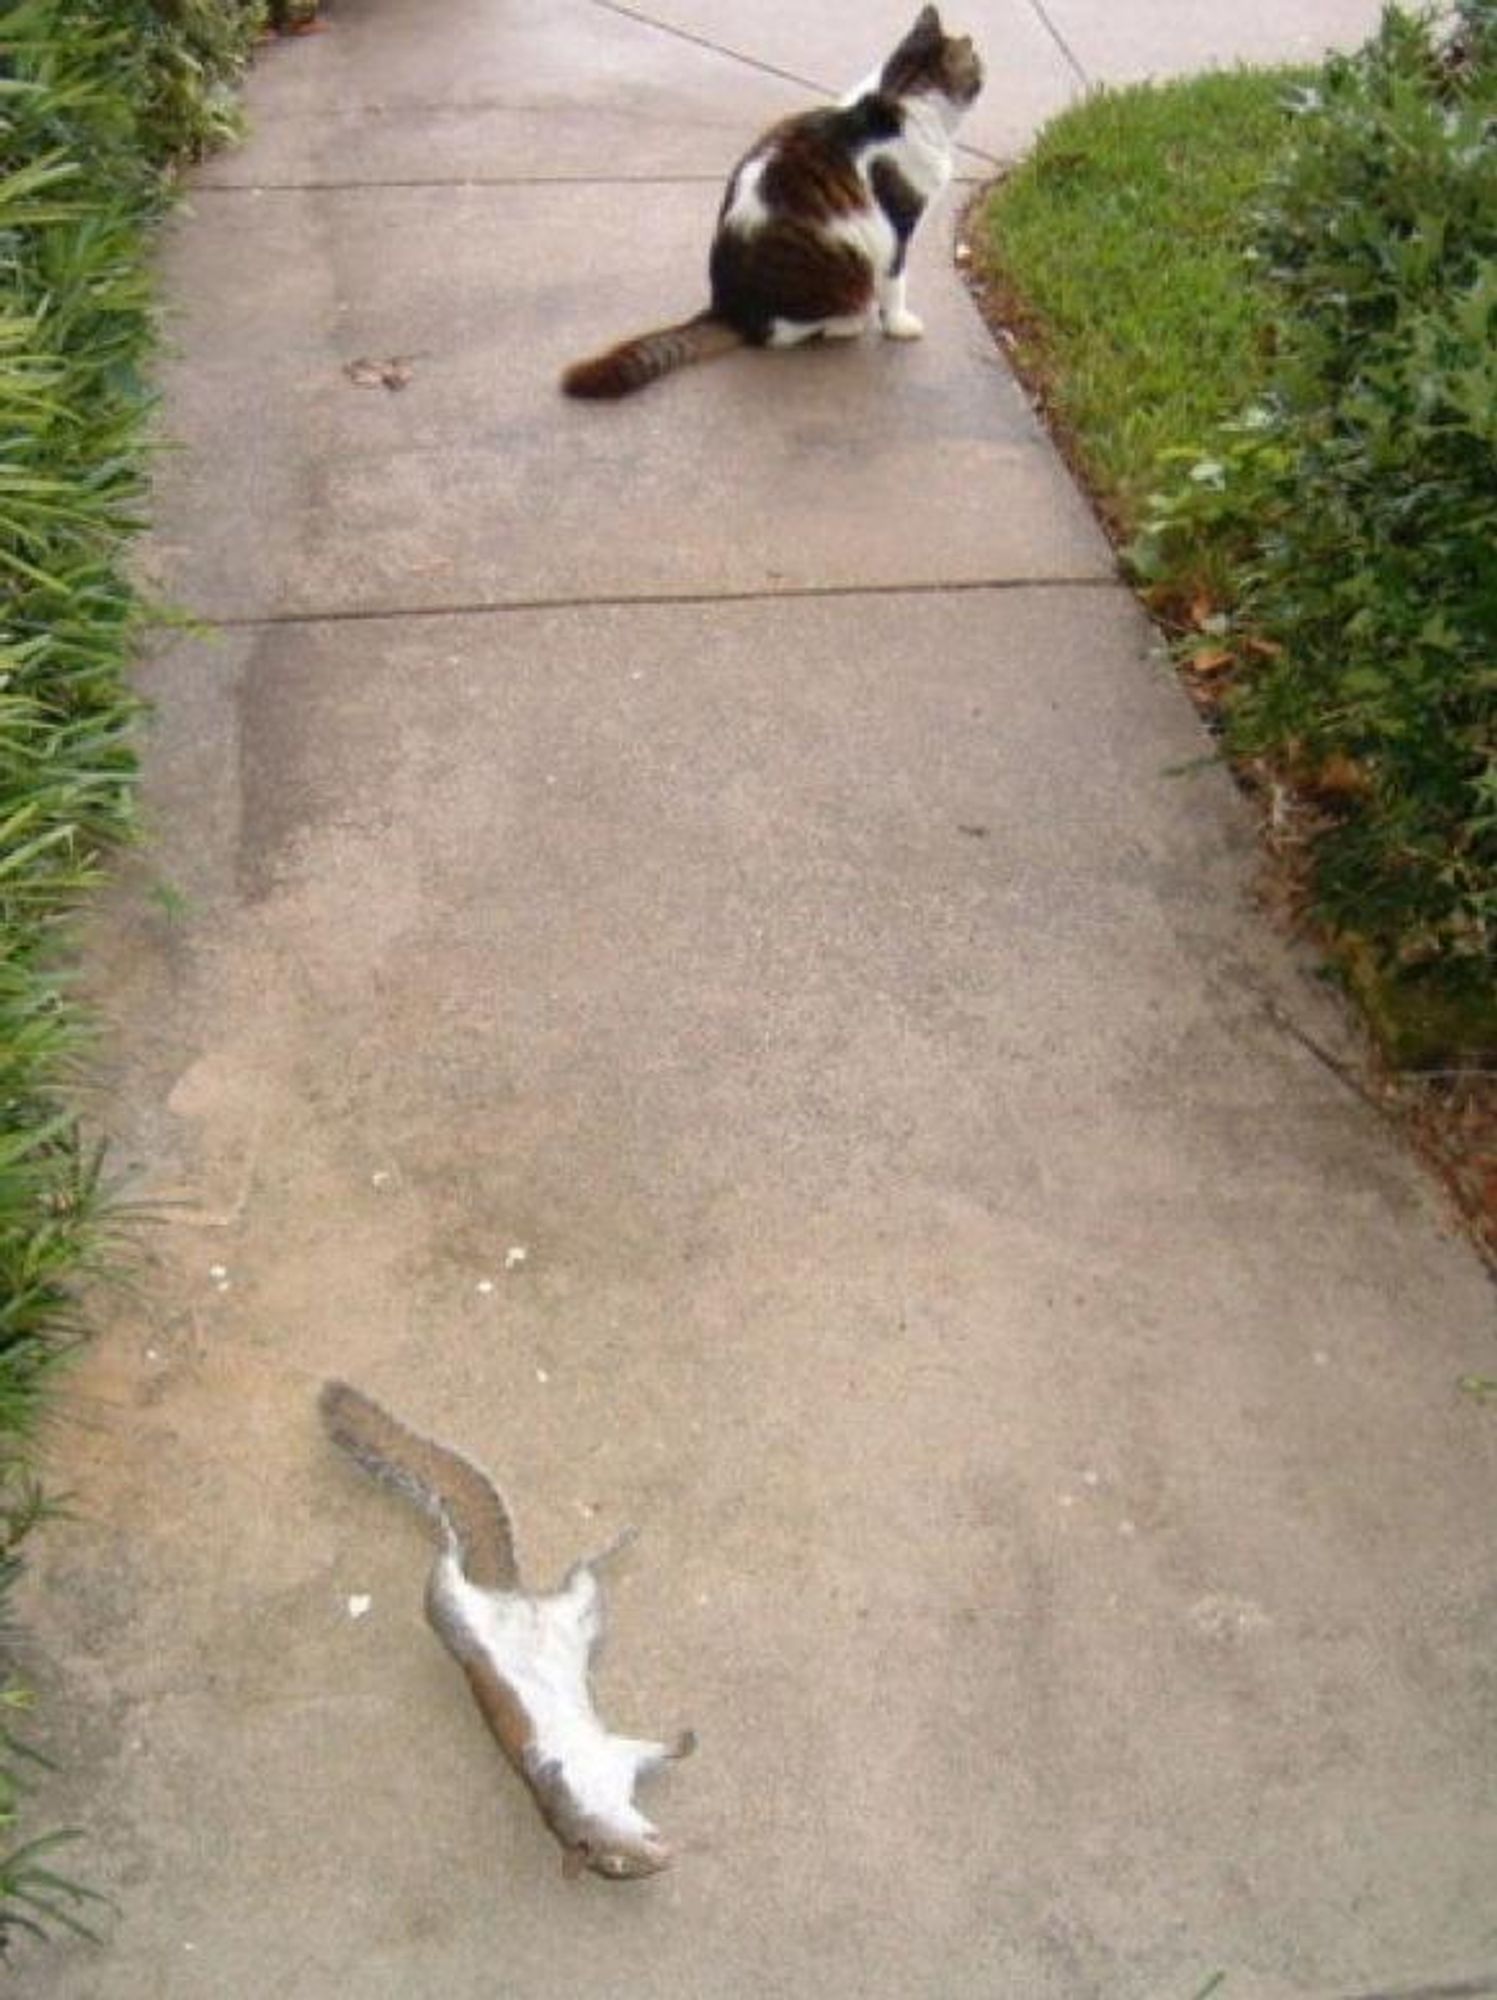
(1260,309)
(1116,255)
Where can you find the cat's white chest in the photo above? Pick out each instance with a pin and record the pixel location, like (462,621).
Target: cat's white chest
(921,156)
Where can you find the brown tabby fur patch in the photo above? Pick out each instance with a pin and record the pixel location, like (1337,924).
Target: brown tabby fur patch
(805,177)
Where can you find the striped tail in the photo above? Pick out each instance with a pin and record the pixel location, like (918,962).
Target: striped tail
(440,1481)
(634,363)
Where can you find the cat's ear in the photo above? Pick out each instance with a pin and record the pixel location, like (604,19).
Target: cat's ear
(912,62)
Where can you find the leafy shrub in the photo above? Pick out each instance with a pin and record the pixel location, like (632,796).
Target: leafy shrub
(184,57)
(97,99)
(1358,499)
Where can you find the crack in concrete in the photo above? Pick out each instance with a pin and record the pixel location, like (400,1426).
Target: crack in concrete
(755,62)
(1072,61)
(714,48)
(458,181)
(1460,1989)
(495,607)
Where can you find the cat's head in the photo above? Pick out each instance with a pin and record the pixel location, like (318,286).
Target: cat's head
(929,62)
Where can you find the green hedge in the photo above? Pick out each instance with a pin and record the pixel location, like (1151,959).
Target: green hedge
(98,100)
(1357,499)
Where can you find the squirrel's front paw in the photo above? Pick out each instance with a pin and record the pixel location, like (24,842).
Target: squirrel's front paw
(903,326)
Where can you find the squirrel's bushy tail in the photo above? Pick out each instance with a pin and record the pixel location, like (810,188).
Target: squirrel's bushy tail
(439,1480)
(634,363)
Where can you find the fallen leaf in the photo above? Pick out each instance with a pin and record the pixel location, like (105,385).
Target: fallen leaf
(1213,661)
(366,374)
(1341,776)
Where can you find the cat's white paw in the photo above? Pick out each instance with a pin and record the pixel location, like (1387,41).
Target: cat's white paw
(843,329)
(903,325)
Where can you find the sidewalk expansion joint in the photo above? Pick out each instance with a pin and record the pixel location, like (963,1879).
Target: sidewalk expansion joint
(457,181)
(1072,60)
(498,607)
(660,27)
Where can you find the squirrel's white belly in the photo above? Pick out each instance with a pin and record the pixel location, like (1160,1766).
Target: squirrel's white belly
(535,1644)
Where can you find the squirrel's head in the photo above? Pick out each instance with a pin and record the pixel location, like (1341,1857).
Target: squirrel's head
(619,1847)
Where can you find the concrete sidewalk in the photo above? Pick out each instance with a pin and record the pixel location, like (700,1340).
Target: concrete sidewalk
(740,850)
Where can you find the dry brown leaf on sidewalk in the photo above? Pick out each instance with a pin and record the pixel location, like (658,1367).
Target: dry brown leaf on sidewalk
(391,374)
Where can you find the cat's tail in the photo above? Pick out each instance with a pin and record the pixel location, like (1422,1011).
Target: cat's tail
(634,363)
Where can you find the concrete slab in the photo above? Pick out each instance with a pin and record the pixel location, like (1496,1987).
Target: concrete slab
(878,463)
(587,89)
(835,45)
(389,91)
(1120,44)
(1033,1371)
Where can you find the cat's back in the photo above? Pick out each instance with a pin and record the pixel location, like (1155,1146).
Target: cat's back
(808,169)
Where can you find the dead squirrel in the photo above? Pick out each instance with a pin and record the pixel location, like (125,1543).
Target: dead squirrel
(526,1655)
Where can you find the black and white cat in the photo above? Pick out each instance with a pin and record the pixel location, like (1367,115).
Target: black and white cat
(813,229)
